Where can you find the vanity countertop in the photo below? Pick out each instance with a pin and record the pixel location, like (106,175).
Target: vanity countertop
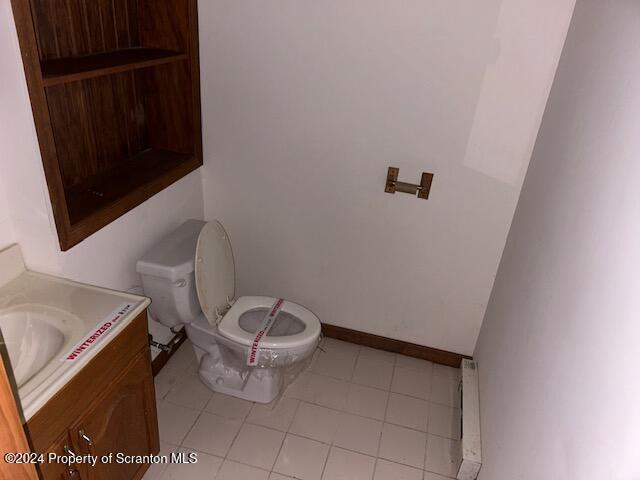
(89,317)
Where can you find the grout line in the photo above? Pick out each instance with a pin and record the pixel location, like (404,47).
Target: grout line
(386,408)
(326,460)
(426,441)
(284,436)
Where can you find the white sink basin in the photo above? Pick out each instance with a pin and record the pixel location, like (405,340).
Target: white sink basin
(35,335)
(52,327)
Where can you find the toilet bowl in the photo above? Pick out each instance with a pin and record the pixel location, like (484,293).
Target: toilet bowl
(190,277)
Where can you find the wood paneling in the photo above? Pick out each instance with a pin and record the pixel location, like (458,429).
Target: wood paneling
(397,346)
(170,119)
(97,124)
(12,437)
(68,28)
(114,87)
(166,23)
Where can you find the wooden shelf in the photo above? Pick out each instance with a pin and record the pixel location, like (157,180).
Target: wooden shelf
(115,94)
(121,188)
(72,69)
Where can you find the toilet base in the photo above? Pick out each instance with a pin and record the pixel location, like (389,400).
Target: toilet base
(256,385)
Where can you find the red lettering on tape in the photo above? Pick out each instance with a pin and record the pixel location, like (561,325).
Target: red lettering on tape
(104,326)
(267,323)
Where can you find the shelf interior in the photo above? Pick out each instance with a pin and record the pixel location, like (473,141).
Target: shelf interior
(115,89)
(138,177)
(70,69)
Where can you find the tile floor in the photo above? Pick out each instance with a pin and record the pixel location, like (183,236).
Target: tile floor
(355,413)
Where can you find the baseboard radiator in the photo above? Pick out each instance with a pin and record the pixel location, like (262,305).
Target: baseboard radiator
(471,451)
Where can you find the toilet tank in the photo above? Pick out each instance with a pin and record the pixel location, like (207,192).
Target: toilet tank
(167,272)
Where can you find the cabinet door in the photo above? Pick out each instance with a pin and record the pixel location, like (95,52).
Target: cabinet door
(122,421)
(59,471)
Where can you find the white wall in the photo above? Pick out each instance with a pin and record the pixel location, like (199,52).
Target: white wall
(6,229)
(108,257)
(558,351)
(306,104)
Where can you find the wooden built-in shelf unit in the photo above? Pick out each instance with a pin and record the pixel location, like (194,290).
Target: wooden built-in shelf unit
(115,93)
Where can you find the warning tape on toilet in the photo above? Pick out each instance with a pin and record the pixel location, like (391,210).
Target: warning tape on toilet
(102,328)
(265,326)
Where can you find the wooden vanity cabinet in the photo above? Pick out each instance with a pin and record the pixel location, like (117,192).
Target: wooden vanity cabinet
(59,471)
(108,407)
(118,423)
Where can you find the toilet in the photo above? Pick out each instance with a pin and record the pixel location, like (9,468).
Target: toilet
(190,277)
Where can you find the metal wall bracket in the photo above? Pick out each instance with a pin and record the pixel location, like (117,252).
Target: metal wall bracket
(393,185)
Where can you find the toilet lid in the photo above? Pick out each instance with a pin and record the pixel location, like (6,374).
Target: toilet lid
(215,271)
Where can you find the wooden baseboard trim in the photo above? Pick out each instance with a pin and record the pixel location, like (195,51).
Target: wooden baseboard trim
(396,346)
(163,357)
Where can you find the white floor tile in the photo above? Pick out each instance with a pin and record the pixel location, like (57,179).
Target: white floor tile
(444,421)
(376,355)
(408,411)
(183,357)
(231,470)
(331,345)
(174,369)
(174,421)
(189,392)
(367,401)
(414,383)
(278,415)
(193,369)
(163,384)
(151,474)
(277,476)
(435,476)
(298,388)
(443,456)
(205,468)
(301,458)
(445,390)
(229,407)
(212,434)
(446,371)
(156,470)
(315,422)
(386,470)
(412,363)
(257,446)
(403,445)
(345,465)
(359,434)
(326,391)
(335,365)
(373,373)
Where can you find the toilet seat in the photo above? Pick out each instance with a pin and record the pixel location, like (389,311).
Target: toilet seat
(215,285)
(230,327)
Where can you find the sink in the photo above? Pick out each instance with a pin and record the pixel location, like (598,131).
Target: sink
(34,336)
(51,328)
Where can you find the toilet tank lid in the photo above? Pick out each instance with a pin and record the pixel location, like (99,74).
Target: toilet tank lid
(173,256)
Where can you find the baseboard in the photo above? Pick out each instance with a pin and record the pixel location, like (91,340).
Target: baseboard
(396,346)
(163,357)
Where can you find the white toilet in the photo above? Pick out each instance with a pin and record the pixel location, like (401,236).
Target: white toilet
(190,277)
